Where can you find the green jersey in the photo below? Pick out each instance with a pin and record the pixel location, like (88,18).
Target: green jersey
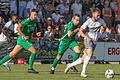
(70,27)
(28,26)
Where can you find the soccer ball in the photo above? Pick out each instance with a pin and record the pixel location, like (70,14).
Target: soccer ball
(109,73)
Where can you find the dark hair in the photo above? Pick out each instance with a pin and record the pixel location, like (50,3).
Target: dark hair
(96,10)
(15,16)
(76,15)
(34,10)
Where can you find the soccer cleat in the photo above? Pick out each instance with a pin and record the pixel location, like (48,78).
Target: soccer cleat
(32,71)
(83,75)
(67,69)
(52,71)
(7,66)
(74,69)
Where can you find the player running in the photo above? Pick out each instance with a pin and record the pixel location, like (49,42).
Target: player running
(5,36)
(25,29)
(94,25)
(68,41)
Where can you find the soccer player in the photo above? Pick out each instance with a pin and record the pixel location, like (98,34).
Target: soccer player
(25,29)
(94,25)
(5,36)
(68,41)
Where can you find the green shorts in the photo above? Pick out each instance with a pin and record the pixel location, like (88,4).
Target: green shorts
(26,44)
(64,45)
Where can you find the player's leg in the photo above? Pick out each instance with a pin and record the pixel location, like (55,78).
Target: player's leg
(62,47)
(55,62)
(86,61)
(75,47)
(31,60)
(27,45)
(7,45)
(89,49)
(12,54)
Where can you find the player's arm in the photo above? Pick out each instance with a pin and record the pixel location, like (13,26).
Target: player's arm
(5,32)
(82,29)
(72,32)
(19,29)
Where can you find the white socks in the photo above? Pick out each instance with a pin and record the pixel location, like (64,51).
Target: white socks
(78,61)
(86,61)
(7,62)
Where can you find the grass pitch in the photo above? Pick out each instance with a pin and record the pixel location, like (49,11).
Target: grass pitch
(94,72)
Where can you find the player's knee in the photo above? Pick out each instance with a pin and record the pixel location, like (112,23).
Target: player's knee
(12,55)
(58,56)
(82,59)
(77,51)
(34,52)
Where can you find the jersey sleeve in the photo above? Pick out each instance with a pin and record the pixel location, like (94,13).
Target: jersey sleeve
(85,24)
(25,22)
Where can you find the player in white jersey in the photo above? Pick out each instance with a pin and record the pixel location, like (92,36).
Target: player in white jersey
(93,25)
(5,36)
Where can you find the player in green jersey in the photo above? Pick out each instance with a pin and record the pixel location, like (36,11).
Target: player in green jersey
(25,29)
(68,41)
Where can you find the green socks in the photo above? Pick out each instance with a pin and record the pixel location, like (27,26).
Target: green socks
(4,59)
(31,60)
(76,56)
(55,62)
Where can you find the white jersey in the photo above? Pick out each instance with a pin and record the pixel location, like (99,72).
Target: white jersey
(10,26)
(93,27)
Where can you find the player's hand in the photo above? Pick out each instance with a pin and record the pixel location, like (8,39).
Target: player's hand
(26,37)
(76,30)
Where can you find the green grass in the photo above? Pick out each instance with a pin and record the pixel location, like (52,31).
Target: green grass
(94,71)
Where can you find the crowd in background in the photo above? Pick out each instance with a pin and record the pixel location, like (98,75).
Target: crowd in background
(53,15)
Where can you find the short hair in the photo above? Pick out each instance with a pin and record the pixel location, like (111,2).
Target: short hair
(14,15)
(96,10)
(34,10)
(76,15)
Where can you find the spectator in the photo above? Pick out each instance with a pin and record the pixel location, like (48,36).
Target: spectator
(77,8)
(57,35)
(6,14)
(61,23)
(48,37)
(117,12)
(56,15)
(93,7)
(112,36)
(86,6)
(107,14)
(103,37)
(1,23)
(57,32)
(62,6)
(112,6)
(118,32)
(67,15)
(22,8)
(100,5)
(49,22)
(13,6)
(31,5)
(47,12)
